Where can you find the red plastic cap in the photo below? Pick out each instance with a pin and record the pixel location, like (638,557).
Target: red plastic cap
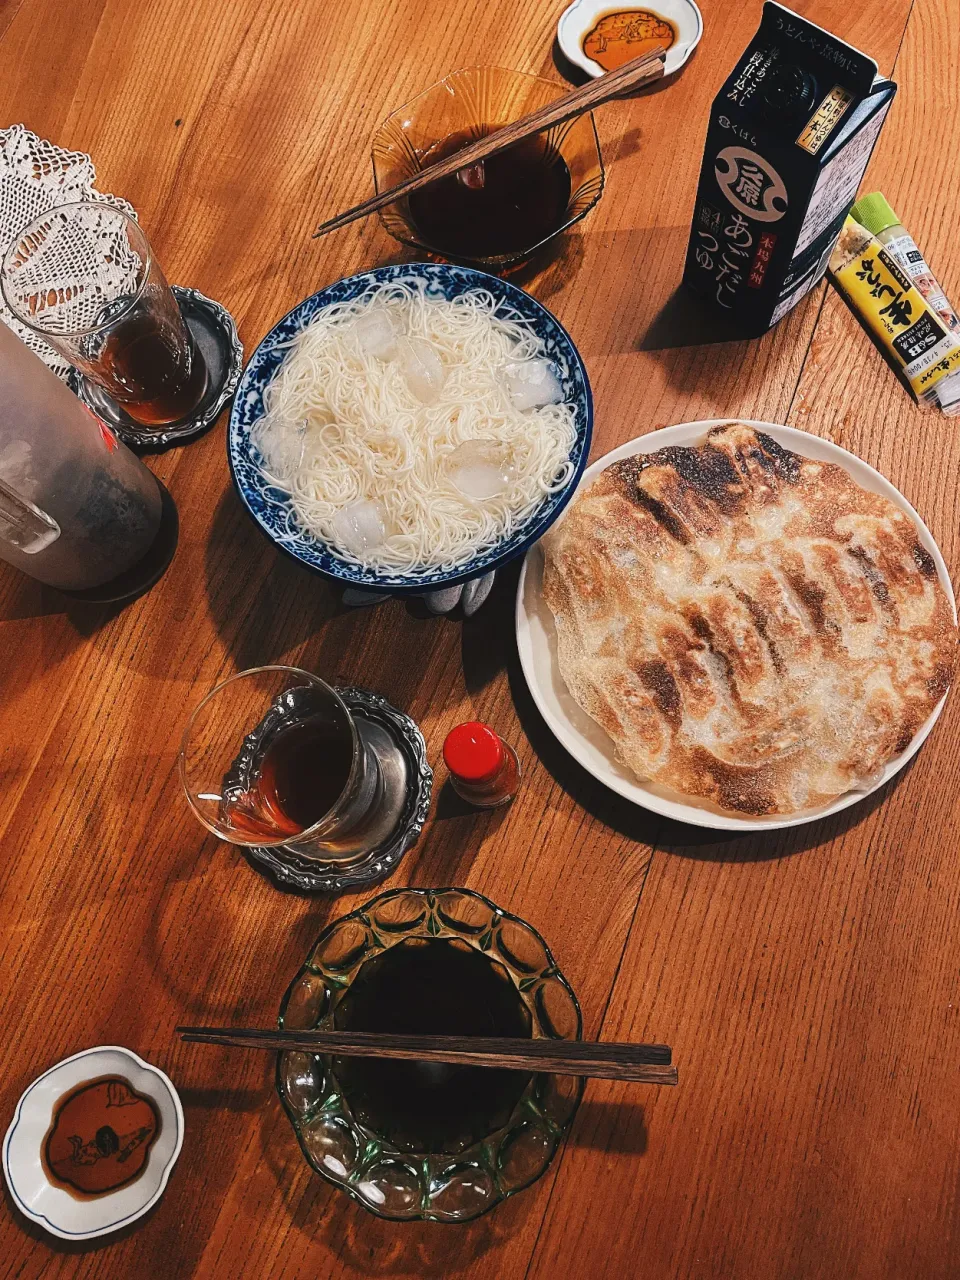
(473,752)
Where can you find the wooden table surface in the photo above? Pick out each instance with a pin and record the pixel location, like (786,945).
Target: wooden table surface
(807,981)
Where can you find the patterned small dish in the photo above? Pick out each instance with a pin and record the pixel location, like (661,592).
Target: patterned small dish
(579,19)
(398,1184)
(271,507)
(55,1209)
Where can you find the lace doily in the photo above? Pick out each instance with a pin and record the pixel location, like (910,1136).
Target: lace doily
(35,176)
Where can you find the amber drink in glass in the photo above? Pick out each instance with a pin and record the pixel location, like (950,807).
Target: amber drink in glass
(85,278)
(272,757)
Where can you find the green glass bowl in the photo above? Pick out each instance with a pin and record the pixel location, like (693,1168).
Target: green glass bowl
(392,1183)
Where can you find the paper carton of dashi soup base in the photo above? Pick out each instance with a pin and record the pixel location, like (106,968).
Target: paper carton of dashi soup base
(789,138)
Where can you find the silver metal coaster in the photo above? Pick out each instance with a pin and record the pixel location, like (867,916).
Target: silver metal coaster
(215,334)
(402,752)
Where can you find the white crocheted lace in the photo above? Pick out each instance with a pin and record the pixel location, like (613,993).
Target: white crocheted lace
(36,176)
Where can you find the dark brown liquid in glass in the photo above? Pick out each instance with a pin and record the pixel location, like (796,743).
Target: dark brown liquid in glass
(302,775)
(147,371)
(431,987)
(506,204)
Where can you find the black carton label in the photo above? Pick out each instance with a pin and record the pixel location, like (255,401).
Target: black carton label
(790,135)
(920,337)
(751,184)
(812,46)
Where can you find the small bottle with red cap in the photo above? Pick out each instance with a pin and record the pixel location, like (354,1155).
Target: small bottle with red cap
(484,770)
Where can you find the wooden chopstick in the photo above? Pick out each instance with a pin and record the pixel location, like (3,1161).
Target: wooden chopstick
(648,1063)
(612,84)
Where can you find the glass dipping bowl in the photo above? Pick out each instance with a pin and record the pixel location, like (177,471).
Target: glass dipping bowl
(401,1184)
(472,99)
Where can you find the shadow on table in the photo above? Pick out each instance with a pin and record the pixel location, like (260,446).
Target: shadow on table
(22,598)
(289,604)
(374,1246)
(685,321)
(452,840)
(488,638)
(233,1100)
(270,957)
(551,270)
(570,71)
(712,846)
(267,607)
(442,856)
(618,1127)
(379,1247)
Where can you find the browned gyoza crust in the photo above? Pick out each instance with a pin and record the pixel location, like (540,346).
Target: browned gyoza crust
(749,626)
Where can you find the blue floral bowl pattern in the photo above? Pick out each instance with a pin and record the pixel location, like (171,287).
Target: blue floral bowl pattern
(270,507)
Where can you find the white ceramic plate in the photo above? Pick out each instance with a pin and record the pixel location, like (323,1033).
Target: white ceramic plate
(583,737)
(581,17)
(56,1210)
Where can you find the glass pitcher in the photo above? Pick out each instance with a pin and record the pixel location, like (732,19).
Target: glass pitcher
(76,507)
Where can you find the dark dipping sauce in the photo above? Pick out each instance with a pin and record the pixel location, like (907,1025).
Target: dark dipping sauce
(505,204)
(431,987)
(100,1137)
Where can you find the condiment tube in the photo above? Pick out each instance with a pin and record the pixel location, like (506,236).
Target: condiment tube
(895,312)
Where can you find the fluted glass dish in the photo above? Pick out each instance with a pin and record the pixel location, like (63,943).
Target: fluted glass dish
(398,1183)
(477,100)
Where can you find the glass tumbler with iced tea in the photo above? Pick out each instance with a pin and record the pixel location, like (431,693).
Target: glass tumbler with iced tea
(84,277)
(273,757)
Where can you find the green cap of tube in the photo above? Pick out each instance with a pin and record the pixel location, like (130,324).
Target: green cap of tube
(873,213)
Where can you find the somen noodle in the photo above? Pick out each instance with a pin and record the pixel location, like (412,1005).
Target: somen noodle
(370,408)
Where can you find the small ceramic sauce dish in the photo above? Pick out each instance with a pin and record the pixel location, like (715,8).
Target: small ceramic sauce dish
(129,1089)
(621,31)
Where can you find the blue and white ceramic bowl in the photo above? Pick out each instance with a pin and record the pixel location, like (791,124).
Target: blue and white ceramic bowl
(270,507)
(55,1209)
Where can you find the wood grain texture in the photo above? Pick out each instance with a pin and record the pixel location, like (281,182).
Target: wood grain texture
(233,128)
(830,949)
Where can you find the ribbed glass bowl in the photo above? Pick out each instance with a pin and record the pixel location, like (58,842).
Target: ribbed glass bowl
(395,1183)
(478,99)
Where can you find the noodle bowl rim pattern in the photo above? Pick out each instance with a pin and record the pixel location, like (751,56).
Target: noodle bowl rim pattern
(270,512)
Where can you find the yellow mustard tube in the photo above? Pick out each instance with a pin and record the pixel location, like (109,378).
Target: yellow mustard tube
(894,310)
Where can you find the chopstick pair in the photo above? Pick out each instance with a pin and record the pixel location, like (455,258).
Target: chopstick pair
(640,1063)
(632,75)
